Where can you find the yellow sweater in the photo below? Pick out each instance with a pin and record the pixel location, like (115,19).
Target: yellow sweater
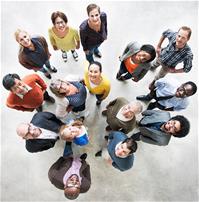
(67,43)
(103,88)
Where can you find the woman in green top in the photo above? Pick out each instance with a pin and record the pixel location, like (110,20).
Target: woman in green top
(62,36)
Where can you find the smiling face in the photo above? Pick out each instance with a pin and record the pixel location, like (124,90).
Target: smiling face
(94,16)
(171,127)
(23,39)
(60,24)
(185,90)
(142,56)
(127,111)
(181,38)
(19,87)
(122,150)
(94,72)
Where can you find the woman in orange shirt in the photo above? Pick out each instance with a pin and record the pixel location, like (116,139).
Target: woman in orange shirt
(135,61)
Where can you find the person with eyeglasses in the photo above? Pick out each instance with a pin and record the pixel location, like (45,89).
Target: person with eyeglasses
(71,173)
(41,133)
(62,36)
(157,127)
(169,94)
(93,31)
(26,94)
(34,53)
(71,98)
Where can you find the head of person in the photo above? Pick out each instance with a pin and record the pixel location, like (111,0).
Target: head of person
(93,12)
(72,187)
(60,88)
(59,21)
(126,148)
(28,131)
(69,132)
(146,54)
(186,89)
(23,38)
(131,109)
(94,70)
(177,126)
(13,83)
(183,36)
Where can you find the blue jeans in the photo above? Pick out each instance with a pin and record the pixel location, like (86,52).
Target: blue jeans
(123,70)
(93,50)
(46,67)
(67,149)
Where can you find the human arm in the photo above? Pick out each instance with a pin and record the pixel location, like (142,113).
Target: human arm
(86,178)
(52,40)
(40,82)
(159,46)
(62,107)
(111,103)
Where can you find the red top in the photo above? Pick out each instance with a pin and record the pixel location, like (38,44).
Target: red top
(31,100)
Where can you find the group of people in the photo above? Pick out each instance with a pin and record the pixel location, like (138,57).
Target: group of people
(72,173)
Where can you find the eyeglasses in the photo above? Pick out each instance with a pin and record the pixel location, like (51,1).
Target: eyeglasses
(60,22)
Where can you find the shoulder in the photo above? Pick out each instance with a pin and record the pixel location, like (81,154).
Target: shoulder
(103,16)
(84,25)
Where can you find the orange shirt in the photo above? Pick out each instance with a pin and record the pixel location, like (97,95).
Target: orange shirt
(33,99)
(130,65)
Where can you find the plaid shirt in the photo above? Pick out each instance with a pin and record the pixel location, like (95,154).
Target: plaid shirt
(171,57)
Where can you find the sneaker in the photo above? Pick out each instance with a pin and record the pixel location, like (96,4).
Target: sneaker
(48,75)
(64,56)
(50,99)
(99,153)
(39,109)
(53,69)
(98,102)
(75,56)
(144,97)
(106,137)
(98,54)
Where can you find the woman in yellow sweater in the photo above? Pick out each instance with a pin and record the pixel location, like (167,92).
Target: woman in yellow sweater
(96,82)
(62,36)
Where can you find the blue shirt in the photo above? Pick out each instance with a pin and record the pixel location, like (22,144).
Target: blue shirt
(166,87)
(79,98)
(170,57)
(38,56)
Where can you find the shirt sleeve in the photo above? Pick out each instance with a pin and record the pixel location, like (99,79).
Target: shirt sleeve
(168,34)
(52,40)
(83,37)
(188,63)
(40,81)
(77,37)
(61,109)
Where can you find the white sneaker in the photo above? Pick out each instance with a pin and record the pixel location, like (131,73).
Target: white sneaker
(64,56)
(75,56)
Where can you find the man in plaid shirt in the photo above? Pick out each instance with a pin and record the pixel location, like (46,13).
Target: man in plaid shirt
(175,52)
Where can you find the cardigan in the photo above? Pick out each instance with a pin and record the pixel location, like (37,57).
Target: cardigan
(32,99)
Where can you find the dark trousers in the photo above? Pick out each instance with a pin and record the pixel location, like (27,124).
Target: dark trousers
(123,70)
(46,95)
(68,149)
(79,108)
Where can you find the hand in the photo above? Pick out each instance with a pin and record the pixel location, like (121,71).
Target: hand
(158,50)
(55,48)
(171,70)
(77,46)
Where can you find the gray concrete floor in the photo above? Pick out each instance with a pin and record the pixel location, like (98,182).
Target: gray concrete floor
(160,173)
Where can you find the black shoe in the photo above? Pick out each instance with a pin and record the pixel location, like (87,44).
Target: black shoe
(99,153)
(106,137)
(53,69)
(136,136)
(120,78)
(98,54)
(50,99)
(104,113)
(144,98)
(98,102)
(108,128)
(83,156)
(39,109)
(48,76)
(81,119)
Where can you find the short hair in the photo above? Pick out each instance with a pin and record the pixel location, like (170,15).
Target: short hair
(184,126)
(9,80)
(131,145)
(96,63)
(90,7)
(188,29)
(54,88)
(72,195)
(150,50)
(58,14)
(193,85)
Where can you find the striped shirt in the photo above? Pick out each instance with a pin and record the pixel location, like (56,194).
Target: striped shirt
(171,57)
